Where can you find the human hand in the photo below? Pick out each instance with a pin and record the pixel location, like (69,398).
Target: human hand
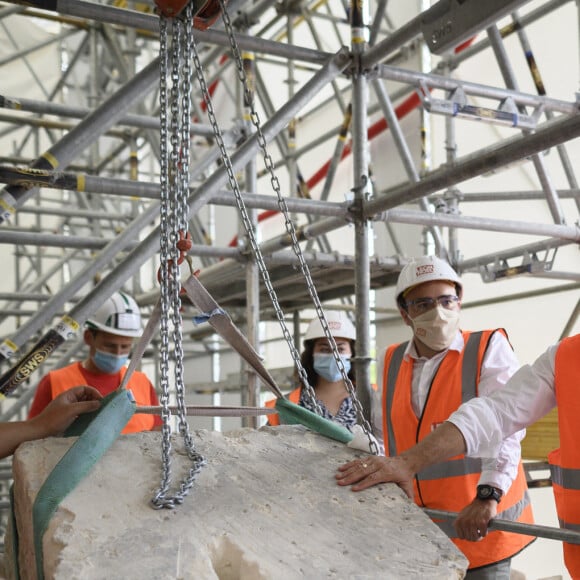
(65,408)
(473,520)
(372,470)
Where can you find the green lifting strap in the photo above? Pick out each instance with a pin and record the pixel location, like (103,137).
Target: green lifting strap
(293,414)
(96,438)
(15,545)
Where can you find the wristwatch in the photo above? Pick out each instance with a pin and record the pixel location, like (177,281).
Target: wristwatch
(489,492)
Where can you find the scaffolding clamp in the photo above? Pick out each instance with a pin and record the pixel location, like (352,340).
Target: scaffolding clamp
(457,106)
(531,263)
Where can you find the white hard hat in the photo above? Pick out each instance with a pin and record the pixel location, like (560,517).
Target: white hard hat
(426,269)
(118,315)
(338,324)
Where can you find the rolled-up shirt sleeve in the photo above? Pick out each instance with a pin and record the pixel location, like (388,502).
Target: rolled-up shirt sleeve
(487,420)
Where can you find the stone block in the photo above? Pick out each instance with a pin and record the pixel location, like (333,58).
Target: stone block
(266,506)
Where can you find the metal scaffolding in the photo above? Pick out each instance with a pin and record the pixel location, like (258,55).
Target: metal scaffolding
(80,157)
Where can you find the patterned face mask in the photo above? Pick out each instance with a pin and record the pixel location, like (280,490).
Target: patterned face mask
(436,328)
(325,365)
(109,363)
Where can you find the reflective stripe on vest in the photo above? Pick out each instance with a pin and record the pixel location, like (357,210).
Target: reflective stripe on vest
(568,478)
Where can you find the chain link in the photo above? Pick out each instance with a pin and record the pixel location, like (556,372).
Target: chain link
(247,223)
(269,164)
(174,167)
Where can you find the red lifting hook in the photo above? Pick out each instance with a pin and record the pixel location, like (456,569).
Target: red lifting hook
(205,12)
(184,244)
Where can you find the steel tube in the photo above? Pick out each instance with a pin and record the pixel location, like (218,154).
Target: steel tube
(571,233)
(435,81)
(129,120)
(149,22)
(549,134)
(537,159)
(537,530)
(129,266)
(88,130)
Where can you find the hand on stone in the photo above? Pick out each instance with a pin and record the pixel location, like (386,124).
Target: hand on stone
(472,523)
(368,471)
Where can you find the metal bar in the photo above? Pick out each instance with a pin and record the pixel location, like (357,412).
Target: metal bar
(537,530)
(401,36)
(510,150)
(537,159)
(93,184)
(129,120)
(436,81)
(534,71)
(571,233)
(516,195)
(405,155)
(127,267)
(453,60)
(149,22)
(473,264)
(86,132)
(208,411)
(361,183)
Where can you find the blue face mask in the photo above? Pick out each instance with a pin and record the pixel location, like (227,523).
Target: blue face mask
(326,367)
(109,363)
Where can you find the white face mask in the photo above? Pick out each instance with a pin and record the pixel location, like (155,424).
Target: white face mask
(436,328)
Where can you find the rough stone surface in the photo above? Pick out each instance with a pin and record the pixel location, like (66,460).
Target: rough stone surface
(266,506)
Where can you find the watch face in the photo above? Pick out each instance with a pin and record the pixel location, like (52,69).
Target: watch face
(485,492)
(488,492)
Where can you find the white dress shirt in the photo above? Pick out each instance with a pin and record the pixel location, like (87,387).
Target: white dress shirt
(527,397)
(499,364)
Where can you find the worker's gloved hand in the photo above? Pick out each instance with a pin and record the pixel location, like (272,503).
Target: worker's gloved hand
(361,441)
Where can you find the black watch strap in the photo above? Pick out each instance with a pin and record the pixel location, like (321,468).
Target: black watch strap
(485,492)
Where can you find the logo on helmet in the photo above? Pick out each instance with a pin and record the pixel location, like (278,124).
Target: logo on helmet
(423,270)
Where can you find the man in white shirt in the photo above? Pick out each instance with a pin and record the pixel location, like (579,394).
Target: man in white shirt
(428,378)
(479,426)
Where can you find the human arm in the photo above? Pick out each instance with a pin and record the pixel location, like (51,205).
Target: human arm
(445,442)
(499,364)
(486,421)
(525,398)
(53,420)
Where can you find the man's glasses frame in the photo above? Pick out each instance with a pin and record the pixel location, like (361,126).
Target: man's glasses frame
(422,305)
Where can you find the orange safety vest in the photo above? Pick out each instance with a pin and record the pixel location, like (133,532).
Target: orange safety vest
(293,397)
(565,462)
(450,485)
(70,376)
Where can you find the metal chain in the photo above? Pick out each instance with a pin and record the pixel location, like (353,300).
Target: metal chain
(268,162)
(248,226)
(174,217)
